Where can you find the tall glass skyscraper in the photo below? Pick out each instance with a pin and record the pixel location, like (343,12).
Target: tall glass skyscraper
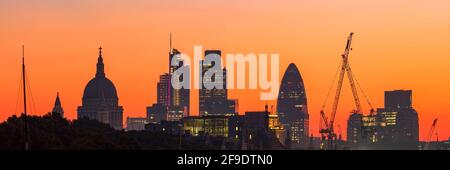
(292,107)
(178,99)
(172,104)
(215,101)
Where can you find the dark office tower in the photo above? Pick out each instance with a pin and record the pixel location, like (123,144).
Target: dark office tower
(398,99)
(100,101)
(163,89)
(178,101)
(158,112)
(399,120)
(292,107)
(57,108)
(393,127)
(214,101)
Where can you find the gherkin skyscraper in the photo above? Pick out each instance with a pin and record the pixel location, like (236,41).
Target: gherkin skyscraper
(292,107)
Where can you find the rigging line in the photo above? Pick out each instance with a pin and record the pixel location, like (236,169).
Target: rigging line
(362,91)
(30,109)
(27,88)
(18,94)
(33,104)
(331,86)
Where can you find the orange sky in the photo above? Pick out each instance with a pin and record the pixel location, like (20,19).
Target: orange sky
(401,44)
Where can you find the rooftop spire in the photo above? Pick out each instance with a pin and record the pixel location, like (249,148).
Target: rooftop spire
(57,101)
(58,108)
(100,66)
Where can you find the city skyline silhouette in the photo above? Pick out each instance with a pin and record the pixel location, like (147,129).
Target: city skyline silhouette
(387,55)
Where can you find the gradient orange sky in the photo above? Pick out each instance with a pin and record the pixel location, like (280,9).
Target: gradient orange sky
(402,44)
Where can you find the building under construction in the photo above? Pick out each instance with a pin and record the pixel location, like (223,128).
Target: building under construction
(329,137)
(393,127)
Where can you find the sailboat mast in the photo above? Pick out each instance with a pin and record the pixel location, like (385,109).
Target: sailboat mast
(24,98)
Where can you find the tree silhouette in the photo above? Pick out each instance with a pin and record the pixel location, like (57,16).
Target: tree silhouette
(53,132)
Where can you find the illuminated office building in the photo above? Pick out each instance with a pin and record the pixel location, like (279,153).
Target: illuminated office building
(393,127)
(178,99)
(172,104)
(214,101)
(206,125)
(292,107)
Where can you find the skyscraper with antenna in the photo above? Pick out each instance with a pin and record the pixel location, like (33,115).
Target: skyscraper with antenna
(178,99)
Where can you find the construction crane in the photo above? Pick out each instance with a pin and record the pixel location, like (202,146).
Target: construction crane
(430,134)
(327,131)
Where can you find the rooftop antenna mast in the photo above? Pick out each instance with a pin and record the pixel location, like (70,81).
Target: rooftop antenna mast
(24,98)
(171,49)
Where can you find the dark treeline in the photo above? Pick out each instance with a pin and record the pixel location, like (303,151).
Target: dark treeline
(51,131)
